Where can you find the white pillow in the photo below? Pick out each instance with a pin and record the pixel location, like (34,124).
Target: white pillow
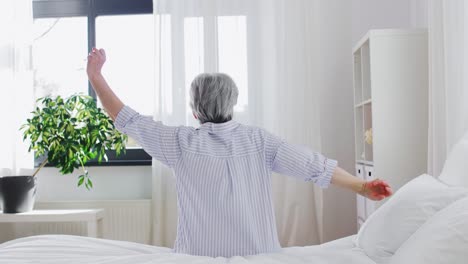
(396,220)
(442,239)
(455,170)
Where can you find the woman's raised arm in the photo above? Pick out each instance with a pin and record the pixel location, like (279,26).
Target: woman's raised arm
(112,104)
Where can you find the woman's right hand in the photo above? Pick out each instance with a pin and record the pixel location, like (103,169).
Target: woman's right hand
(96,60)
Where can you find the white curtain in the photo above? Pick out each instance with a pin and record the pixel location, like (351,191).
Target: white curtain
(16,83)
(269,47)
(448,91)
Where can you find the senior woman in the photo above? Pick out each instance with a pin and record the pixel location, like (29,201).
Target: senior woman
(223,168)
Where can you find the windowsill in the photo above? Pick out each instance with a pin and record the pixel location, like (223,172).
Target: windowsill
(133,157)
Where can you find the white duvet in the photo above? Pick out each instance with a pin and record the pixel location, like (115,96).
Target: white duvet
(75,249)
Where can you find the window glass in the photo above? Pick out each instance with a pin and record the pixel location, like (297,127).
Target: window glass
(60,48)
(59,54)
(129,44)
(165,71)
(194,56)
(232,54)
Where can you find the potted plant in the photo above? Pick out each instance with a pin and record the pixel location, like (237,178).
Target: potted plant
(68,132)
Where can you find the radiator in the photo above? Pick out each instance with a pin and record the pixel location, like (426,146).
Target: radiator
(128,220)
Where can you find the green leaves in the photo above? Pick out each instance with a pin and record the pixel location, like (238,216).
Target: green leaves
(80,180)
(72,131)
(84,178)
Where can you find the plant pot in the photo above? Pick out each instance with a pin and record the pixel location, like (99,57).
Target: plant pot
(17,193)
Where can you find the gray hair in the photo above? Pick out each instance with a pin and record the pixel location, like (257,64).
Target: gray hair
(212,97)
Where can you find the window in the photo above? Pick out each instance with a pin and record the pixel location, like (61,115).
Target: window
(58,62)
(232,54)
(134,79)
(64,33)
(231,35)
(194,54)
(66,30)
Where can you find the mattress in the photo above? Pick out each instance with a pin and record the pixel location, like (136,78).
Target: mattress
(75,249)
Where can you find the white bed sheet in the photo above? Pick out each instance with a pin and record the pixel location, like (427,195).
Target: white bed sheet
(75,249)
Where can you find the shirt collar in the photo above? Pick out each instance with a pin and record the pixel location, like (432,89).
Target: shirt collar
(218,128)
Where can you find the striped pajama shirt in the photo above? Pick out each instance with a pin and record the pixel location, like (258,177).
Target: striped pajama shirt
(223,180)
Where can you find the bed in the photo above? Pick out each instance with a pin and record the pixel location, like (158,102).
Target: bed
(424,222)
(76,249)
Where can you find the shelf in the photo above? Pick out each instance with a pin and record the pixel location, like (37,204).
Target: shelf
(391,65)
(365,162)
(359,133)
(365,72)
(368,148)
(369,101)
(398,32)
(357,77)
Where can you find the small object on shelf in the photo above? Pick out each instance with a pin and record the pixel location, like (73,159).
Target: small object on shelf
(368,136)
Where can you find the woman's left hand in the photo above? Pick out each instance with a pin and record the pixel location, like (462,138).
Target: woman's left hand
(376,190)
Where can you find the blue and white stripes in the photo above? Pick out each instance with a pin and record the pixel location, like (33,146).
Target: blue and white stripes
(223,180)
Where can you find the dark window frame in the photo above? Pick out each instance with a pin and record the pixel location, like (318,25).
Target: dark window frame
(92,9)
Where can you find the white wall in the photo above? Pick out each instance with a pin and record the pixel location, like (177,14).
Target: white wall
(110,183)
(337,125)
(373,14)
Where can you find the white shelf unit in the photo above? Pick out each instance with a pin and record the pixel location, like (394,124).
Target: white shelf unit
(391,98)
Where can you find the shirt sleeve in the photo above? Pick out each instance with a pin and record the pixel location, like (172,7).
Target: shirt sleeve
(158,140)
(298,161)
